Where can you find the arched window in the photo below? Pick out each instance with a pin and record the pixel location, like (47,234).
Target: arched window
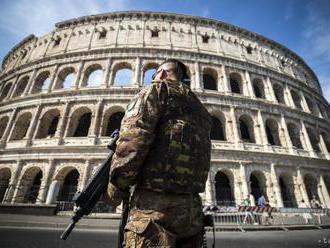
(311,186)
(33,191)
(83,125)
(246,129)
(5,92)
(123,76)
(3,125)
(325,139)
(287,191)
(147,76)
(258,88)
(279,93)
(272,132)
(48,124)
(217,130)
(69,187)
(21,126)
(114,122)
(235,83)
(93,76)
(223,190)
(41,83)
(313,139)
(5,176)
(258,184)
(296,99)
(310,105)
(21,86)
(65,79)
(294,134)
(210,79)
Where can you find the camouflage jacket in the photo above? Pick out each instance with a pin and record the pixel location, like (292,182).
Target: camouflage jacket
(164,142)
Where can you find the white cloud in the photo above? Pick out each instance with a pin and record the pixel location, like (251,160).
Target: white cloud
(24,17)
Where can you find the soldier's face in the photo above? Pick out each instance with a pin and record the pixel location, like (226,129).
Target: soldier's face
(166,71)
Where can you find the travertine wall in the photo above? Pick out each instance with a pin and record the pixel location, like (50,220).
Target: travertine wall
(279,99)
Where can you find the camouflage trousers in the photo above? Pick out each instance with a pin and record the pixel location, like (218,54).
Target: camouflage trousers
(164,220)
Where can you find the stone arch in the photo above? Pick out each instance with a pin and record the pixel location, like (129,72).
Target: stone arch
(30,183)
(314,139)
(80,122)
(65,78)
(294,133)
(272,132)
(279,93)
(21,86)
(210,79)
(258,88)
(21,126)
(48,124)
(287,190)
(68,178)
(246,126)
(3,124)
(224,188)
(41,82)
(148,71)
(296,99)
(311,185)
(218,130)
(236,83)
(5,176)
(93,76)
(123,74)
(112,120)
(258,184)
(5,91)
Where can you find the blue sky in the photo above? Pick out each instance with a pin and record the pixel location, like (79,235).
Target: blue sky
(303,26)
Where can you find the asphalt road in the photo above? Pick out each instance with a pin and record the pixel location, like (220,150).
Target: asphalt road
(32,237)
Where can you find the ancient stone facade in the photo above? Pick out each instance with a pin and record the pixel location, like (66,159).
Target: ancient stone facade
(62,94)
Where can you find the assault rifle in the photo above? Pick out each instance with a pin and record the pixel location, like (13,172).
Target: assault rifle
(87,198)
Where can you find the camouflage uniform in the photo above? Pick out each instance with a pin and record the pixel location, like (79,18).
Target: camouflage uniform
(164,151)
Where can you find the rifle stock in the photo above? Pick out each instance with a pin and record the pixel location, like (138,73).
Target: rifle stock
(91,193)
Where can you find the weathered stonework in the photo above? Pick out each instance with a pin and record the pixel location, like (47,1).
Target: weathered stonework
(242,78)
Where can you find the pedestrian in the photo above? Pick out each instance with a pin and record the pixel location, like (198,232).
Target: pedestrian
(248,211)
(163,154)
(315,202)
(307,216)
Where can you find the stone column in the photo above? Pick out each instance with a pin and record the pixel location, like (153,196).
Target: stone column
(45,182)
(53,191)
(288,97)
(304,103)
(53,79)
(262,132)
(10,126)
(79,76)
(324,192)
(209,200)
(198,83)
(237,141)
(225,81)
(62,124)
(86,175)
(276,187)
(307,140)
(95,128)
(244,181)
(249,89)
(324,147)
(13,89)
(270,93)
(287,136)
(30,83)
(17,192)
(33,124)
(302,187)
(106,82)
(137,72)
(12,187)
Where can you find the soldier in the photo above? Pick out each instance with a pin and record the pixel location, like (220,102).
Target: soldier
(164,152)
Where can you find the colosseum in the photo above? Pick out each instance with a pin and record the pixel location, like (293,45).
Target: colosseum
(63,93)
